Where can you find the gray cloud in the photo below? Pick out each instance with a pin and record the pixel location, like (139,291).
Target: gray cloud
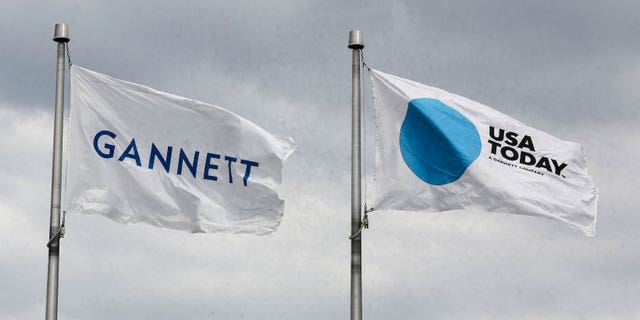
(567,68)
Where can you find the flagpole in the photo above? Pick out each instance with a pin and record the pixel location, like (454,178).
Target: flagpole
(61,36)
(356,44)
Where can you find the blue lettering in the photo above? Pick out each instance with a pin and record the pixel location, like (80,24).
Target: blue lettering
(107,150)
(155,153)
(249,164)
(127,152)
(107,146)
(229,160)
(208,165)
(192,166)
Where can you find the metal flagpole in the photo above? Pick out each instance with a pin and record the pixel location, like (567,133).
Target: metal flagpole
(356,44)
(61,36)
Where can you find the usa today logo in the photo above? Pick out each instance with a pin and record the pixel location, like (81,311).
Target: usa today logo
(438,144)
(520,151)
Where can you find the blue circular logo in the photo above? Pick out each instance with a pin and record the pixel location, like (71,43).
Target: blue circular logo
(437,142)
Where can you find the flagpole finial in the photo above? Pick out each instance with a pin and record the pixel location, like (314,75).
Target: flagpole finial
(355,40)
(61,33)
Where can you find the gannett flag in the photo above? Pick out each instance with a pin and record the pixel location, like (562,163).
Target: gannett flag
(137,155)
(438,151)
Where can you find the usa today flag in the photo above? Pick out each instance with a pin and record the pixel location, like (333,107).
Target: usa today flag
(438,151)
(137,155)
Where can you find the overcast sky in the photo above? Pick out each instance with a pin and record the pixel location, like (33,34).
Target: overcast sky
(570,68)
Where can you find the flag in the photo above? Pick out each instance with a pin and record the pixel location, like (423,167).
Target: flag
(137,155)
(437,151)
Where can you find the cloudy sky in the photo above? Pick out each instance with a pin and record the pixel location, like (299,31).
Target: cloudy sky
(570,68)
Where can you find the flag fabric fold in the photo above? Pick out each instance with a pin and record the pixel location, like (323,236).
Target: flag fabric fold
(137,155)
(437,151)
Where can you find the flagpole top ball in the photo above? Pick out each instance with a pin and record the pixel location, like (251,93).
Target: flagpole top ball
(61,33)
(355,40)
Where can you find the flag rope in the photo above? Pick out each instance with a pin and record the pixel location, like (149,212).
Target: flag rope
(365,218)
(59,233)
(364,95)
(363,225)
(66,46)
(364,124)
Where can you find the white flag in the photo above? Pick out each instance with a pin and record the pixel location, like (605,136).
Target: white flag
(438,151)
(137,155)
